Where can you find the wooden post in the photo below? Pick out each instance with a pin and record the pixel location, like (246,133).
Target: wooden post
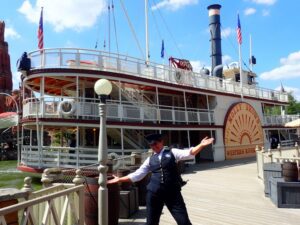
(46,178)
(78,178)
(297,149)
(279,150)
(133,157)
(270,154)
(27,185)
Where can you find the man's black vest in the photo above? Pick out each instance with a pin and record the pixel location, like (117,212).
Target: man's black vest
(165,175)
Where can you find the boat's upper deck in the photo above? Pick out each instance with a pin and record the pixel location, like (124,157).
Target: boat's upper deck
(103,61)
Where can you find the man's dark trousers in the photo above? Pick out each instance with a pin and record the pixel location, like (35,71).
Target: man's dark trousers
(174,202)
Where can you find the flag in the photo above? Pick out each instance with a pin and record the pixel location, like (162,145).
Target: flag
(239,31)
(162,52)
(41,32)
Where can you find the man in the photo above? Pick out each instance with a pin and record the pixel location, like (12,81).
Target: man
(165,183)
(273,142)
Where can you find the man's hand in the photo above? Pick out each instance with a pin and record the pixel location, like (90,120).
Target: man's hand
(114,180)
(207,141)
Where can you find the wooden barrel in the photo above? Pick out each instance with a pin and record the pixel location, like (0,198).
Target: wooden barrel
(11,218)
(290,171)
(142,189)
(91,201)
(121,173)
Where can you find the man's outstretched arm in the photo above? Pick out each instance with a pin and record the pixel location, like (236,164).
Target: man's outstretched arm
(205,142)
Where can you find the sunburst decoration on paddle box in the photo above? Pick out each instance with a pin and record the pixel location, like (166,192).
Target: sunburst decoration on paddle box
(242,132)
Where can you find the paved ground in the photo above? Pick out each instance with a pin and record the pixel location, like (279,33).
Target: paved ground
(225,193)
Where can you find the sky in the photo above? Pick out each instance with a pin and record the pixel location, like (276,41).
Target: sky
(182,24)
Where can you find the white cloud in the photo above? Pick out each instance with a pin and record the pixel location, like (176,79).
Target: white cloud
(226,59)
(290,68)
(292,59)
(173,5)
(197,65)
(295,91)
(249,11)
(11,33)
(226,32)
(66,14)
(265,12)
(264,2)
(16,79)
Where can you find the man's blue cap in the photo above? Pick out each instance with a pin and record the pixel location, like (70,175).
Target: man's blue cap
(152,138)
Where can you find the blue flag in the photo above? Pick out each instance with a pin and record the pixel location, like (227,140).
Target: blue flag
(162,53)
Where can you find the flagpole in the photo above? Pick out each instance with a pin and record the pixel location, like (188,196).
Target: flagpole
(241,72)
(239,38)
(146,32)
(250,45)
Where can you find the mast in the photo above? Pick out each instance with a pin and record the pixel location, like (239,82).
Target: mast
(251,63)
(108,26)
(146,31)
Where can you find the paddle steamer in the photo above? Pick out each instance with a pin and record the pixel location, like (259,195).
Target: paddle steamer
(60,120)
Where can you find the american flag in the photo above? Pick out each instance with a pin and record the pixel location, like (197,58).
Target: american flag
(239,31)
(41,32)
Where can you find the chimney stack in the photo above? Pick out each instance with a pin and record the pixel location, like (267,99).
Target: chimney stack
(215,32)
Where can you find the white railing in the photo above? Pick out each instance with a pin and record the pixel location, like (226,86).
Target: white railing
(118,111)
(290,153)
(53,205)
(52,156)
(104,61)
(280,120)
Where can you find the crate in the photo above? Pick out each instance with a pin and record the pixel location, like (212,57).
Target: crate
(129,203)
(284,194)
(271,170)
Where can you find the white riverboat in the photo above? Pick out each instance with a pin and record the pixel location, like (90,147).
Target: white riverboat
(60,105)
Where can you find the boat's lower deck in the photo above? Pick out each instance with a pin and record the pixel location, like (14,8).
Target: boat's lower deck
(73,147)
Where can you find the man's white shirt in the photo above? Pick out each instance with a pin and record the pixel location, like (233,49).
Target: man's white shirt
(144,169)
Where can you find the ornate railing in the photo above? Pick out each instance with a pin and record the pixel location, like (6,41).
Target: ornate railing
(61,157)
(49,108)
(59,204)
(104,61)
(280,120)
(281,154)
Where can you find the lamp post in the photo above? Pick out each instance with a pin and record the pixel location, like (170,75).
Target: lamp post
(103,88)
(17,109)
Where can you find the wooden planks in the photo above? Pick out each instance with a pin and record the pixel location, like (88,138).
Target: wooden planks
(226,193)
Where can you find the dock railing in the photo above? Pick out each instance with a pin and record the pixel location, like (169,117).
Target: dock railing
(279,155)
(59,204)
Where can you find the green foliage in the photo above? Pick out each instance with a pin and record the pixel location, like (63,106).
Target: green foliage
(272,110)
(10,177)
(294,106)
(60,136)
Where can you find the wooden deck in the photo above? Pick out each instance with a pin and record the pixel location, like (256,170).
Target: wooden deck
(225,193)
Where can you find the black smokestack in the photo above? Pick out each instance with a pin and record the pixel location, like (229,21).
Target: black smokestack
(215,32)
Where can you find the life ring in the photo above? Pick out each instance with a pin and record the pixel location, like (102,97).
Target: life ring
(114,157)
(67,107)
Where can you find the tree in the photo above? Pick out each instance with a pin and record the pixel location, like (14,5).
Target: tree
(293,106)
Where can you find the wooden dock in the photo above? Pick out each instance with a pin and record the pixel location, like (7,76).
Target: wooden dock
(225,193)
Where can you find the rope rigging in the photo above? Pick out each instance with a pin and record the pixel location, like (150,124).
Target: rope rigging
(132,29)
(157,27)
(115,26)
(168,29)
(108,7)
(234,46)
